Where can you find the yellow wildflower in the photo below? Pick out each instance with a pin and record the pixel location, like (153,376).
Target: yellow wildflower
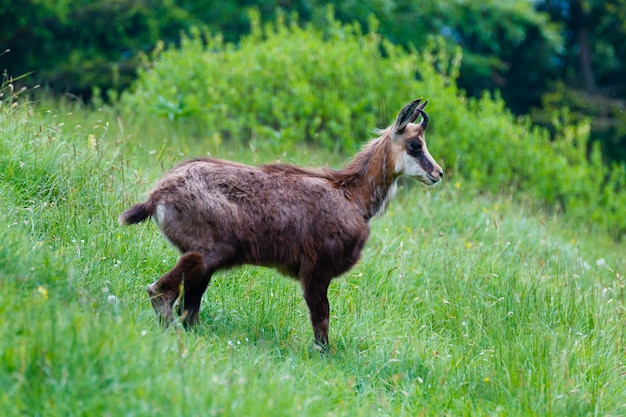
(43,291)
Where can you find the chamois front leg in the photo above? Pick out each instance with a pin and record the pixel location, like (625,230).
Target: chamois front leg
(315,295)
(194,288)
(164,292)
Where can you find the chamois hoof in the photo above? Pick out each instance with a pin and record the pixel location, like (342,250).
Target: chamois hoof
(162,304)
(322,347)
(188,318)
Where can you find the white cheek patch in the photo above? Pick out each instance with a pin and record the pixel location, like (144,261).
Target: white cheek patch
(411,168)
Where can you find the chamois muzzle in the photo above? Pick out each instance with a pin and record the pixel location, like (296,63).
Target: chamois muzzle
(435,176)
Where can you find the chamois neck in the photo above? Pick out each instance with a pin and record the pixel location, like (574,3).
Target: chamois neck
(369,179)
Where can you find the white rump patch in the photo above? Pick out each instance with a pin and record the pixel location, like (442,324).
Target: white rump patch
(159,216)
(159,219)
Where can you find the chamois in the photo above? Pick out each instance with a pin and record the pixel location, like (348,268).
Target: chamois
(310,224)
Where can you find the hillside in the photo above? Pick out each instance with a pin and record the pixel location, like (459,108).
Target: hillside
(465,302)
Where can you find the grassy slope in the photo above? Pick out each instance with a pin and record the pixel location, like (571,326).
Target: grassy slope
(463,303)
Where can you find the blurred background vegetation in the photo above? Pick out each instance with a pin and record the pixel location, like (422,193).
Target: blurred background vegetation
(527,96)
(539,54)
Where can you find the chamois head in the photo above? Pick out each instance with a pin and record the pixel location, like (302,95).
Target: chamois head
(410,152)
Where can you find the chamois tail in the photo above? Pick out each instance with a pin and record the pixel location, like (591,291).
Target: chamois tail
(137,213)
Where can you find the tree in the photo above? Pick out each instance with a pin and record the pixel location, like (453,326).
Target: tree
(507,45)
(590,77)
(73,46)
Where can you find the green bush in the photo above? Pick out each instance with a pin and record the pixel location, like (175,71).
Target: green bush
(281,83)
(495,151)
(285,84)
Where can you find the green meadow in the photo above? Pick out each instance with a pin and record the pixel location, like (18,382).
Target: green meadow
(465,302)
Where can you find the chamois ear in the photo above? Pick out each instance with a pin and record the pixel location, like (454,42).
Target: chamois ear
(407,115)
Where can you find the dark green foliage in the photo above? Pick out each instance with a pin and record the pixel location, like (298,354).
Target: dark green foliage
(74,46)
(589,78)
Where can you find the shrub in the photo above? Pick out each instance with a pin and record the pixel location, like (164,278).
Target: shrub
(286,84)
(282,83)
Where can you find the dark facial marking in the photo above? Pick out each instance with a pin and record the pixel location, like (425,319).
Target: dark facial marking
(424,162)
(414,148)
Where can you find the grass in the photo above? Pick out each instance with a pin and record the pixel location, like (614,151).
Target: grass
(463,303)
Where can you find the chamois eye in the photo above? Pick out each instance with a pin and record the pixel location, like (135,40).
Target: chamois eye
(414,147)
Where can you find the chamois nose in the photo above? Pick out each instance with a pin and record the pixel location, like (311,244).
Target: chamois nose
(437,174)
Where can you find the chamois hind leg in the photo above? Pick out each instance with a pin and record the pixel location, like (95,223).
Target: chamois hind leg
(164,292)
(315,295)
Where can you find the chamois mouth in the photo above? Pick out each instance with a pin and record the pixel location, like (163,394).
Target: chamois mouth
(430,180)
